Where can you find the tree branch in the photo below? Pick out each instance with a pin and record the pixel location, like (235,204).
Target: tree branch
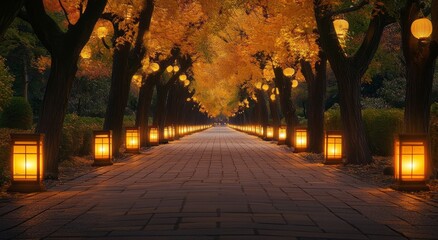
(360,5)
(65,13)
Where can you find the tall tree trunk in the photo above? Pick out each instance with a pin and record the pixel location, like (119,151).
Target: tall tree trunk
(143,106)
(275,115)
(316,87)
(161,110)
(420,59)
(287,107)
(118,96)
(349,71)
(64,48)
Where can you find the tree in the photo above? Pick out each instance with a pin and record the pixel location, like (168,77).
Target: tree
(420,56)
(64,48)
(349,71)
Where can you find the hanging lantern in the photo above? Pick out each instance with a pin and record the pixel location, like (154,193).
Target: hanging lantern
(182,77)
(258,85)
(341,27)
(175,68)
(153,136)
(265,87)
(333,147)
(27,170)
(169,69)
(288,72)
(300,139)
(421,28)
(272,97)
(86,52)
(294,83)
(186,83)
(410,162)
(281,135)
(103,149)
(154,67)
(132,139)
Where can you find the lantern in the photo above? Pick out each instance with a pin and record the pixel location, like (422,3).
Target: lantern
(258,85)
(175,68)
(169,69)
(288,72)
(281,135)
(86,52)
(103,149)
(300,139)
(410,161)
(186,83)
(182,77)
(132,144)
(102,32)
(269,133)
(27,163)
(341,27)
(333,147)
(294,83)
(154,67)
(421,28)
(265,87)
(272,97)
(153,136)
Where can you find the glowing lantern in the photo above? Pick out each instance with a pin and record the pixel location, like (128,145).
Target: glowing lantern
(281,135)
(258,85)
(27,163)
(288,72)
(269,132)
(300,139)
(341,27)
(169,69)
(294,83)
(86,52)
(175,68)
(333,147)
(136,79)
(154,67)
(102,32)
(421,28)
(272,97)
(182,77)
(103,149)
(410,161)
(153,136)
(186,83)
(132,144)
(166,133)
(265,87)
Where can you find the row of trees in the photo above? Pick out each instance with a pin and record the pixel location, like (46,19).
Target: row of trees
(216,58)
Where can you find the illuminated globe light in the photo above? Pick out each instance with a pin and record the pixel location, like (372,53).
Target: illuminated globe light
(186,83)
(188,99)
(421,28)
(175,68)
(273,97)
(154,67)
(258,85)
(294,83)
(86,52)
(169,69)
(265,87)
(288,72)
(182,77)
(102,32)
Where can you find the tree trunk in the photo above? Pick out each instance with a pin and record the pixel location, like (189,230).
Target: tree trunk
(316,87)
(349,71)
(64,48)
(118,96)
(161,110)
(275,115)
(143,106)
(420,59)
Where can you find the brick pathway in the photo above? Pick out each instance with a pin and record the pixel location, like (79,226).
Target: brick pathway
(218,184)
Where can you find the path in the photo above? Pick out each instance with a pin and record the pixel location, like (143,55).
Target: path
(218,184)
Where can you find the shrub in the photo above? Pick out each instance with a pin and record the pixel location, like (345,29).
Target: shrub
(17,114)
(381,125)
(77,135)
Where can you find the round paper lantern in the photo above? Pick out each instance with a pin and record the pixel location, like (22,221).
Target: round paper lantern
(288,72)
(273,97)
(182,77)
(154,67)
(294,83)
(265,87)
(421,28)
(169,69)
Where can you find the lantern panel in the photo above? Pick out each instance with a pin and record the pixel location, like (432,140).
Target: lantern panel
(132,139)
(282,133)
(25,161)
(270,132)
(410,161)
(333,147)
(153,135)
(421,28)
(301,139)
(102,146)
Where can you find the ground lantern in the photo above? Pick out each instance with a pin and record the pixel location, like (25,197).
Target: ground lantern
(27,163)
(154,139)
(102,147)
(410,162)
(269,132)
(281,135)
(300,139)
(132,144)
(333,147)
